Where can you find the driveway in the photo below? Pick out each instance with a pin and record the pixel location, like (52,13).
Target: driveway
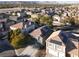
(30,51)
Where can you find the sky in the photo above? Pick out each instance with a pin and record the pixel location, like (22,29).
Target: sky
(41,0)
(60,1)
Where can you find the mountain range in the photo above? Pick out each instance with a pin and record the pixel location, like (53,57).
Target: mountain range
(40,2)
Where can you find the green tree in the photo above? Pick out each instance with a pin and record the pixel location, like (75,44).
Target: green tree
(47,20)
(15,37)
(72,21)
(43,20)
(18,39)
(69,20)
(77,22)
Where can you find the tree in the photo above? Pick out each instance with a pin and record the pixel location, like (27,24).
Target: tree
(77,22)
(69,20)
(43,20)
(72,21)
(18,39)
(15,37)
(47,20)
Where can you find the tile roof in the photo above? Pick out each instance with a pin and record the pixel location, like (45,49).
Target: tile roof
(41,31)
(17,26)
(3,20)
(58,36)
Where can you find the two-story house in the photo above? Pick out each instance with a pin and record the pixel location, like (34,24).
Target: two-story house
(41,34)
(54,45)
(24,26)
(62,44)
(56,20)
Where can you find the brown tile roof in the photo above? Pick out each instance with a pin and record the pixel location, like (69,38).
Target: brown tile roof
(17,26)
(36,32)
(41,31)
(56,36)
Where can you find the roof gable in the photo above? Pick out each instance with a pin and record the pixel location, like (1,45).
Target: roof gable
(59,36)
(41,31)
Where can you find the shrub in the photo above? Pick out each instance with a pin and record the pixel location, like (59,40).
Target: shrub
(18,39)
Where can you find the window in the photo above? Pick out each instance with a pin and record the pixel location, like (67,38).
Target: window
(51,45)
(58,47)
(56,42)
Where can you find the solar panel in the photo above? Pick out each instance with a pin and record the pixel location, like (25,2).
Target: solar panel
(65,38)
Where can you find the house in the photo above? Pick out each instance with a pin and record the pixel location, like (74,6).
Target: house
(21,19)
(34,16)
(62,44)
(13,18)
(43,11)
(16,26)
(13,13)
(9,23)
(18,13)
(54,45)
(2,24)
(29,26)
(3,15)
(29,13)
(23,13)
(56,20)
(41,34)
(72,48)
(24,26)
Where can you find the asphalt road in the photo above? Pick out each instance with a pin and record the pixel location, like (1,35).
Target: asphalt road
(8,9)
(11,9)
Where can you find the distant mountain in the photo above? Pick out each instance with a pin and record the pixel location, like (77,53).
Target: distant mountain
(47,2)
(39,2)
(17,2)
(58,2)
